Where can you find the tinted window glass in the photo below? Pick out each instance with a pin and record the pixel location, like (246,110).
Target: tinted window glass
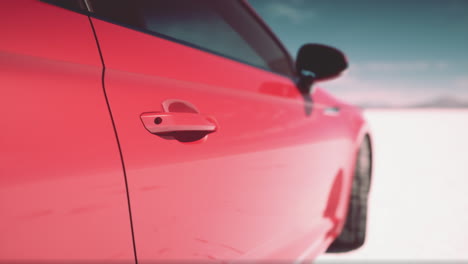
(222,27)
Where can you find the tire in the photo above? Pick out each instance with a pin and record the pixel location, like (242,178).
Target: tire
(353,234)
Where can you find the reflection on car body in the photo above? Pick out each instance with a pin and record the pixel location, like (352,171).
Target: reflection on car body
(172,131)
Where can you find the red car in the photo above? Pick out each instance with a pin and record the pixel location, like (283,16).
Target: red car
(155,131)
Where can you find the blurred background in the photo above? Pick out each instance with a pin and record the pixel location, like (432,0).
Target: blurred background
(402,53)
(409,71)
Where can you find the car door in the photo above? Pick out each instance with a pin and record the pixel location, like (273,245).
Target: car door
(62,188)
(225,158)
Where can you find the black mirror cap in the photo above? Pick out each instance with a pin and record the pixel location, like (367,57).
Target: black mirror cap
(321,62)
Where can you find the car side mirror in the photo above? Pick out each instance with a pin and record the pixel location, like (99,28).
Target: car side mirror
(316,62)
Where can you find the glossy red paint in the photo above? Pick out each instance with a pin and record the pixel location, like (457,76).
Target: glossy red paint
(269,182)
(255,189)
(62,189)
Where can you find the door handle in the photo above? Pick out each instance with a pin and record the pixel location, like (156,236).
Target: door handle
(174,122)
(179,120)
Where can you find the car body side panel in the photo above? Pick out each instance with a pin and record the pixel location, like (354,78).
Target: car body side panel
(357,129)
(258,188)
(62,188)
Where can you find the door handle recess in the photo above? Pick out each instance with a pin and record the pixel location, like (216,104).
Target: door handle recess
(169,123)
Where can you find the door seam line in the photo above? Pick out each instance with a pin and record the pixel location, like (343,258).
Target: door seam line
(116,138)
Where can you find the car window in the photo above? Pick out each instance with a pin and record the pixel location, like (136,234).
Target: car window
(222,27)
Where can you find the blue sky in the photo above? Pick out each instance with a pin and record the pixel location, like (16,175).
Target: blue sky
(400,52)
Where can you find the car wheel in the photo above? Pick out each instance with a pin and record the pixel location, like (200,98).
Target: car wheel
(354,231)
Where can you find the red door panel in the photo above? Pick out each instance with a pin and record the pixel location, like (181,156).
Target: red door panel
(62,188)
(256,187)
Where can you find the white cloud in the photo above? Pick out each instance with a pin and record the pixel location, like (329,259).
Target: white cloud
(358,91)
(462,83)
(442,65)
(295,15)
(385,66)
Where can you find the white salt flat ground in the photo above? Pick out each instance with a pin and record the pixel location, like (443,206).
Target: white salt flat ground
(419,198)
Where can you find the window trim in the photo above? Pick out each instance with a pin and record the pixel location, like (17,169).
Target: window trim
(272,35)
(246,7)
